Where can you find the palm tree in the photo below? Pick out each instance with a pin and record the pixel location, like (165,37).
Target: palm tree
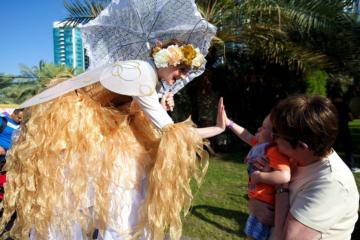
(5,80)
(83,11)
(297,35)
(30,81)
(276,31)
(283,32)
(221,14)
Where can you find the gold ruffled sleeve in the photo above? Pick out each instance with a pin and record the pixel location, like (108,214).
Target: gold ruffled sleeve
(180,157)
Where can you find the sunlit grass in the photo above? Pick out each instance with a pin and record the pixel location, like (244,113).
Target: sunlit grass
(220,206)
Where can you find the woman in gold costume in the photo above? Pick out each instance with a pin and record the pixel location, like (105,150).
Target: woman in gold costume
(93,158)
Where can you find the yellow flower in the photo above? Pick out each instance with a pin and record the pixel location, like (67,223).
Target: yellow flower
(189,54)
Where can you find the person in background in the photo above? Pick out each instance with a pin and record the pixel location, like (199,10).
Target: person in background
(9,125)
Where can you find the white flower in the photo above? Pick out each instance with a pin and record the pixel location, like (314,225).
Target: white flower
(199,59)
(161,58)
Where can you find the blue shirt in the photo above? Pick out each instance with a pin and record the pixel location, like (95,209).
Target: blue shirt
(7,133)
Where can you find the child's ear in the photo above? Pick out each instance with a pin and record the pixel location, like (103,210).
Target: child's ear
(303,145)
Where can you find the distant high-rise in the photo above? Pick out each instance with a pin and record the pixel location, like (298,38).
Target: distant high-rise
(68,47)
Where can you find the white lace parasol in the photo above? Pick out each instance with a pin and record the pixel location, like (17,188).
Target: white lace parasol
(127,29)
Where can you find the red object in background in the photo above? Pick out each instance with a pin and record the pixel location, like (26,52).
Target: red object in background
(2,181)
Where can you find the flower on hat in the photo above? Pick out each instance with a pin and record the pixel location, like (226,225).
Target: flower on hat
(174,55)
(189,54)
(199,59)
(161,58)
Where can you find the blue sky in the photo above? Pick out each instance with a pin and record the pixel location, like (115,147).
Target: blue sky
(26,32)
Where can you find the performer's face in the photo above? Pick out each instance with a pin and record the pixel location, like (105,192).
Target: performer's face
(171,74)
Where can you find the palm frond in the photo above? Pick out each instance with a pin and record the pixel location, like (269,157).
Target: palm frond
(17,93)
(214,11)
(83,11)
(304,15)
(309,15)
(266,11)
(273,46)
(30,81)
(5,80)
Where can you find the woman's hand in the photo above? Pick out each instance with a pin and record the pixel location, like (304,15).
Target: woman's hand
(221,115)
(167,101)
(207,132)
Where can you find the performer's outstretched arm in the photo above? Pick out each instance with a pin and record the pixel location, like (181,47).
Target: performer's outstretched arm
(160,118)
(220,123)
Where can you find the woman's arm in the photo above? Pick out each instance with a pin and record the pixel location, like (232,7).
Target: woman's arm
(282,206)
(157,114)
(154,110)
(208,132)
(262,210)
(295,230)
(286,226)
(220,123)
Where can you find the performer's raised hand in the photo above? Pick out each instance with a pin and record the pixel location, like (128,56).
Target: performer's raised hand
(207,132)
(221,115)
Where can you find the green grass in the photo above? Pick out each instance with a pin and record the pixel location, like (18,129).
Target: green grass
(219,208)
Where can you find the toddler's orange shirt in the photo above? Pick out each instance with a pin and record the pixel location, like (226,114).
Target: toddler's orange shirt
(277,161)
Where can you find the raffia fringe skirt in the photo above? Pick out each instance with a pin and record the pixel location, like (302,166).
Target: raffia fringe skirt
(78,161)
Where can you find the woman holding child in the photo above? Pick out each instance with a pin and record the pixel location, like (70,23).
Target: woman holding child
(322,200)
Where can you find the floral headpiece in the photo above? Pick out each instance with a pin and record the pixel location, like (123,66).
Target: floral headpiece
(174,55)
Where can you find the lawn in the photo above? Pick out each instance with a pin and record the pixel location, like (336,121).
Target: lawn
(220,206)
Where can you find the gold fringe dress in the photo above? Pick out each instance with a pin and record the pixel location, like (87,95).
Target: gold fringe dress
(92,158)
